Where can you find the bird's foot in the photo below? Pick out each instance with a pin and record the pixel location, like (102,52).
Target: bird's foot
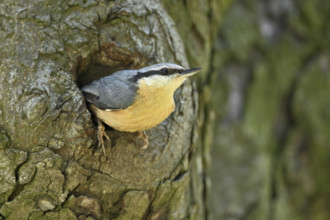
(144,137)
(100,134)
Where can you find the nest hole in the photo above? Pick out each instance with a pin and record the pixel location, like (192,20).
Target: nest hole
(109,59)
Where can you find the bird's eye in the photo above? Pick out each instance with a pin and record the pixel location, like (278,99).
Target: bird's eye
(164,71)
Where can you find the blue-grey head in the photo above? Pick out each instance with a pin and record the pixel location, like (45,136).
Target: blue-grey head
(119,90)
(163,74)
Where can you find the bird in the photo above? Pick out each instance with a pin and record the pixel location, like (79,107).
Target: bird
(135,100)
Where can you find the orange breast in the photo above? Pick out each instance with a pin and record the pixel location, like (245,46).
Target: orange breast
(147,112)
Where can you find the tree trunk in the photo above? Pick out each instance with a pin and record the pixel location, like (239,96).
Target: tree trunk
(50,165)
(270,157)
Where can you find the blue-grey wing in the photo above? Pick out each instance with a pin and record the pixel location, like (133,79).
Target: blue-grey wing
(111,92)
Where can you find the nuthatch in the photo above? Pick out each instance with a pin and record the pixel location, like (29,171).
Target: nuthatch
(135,100)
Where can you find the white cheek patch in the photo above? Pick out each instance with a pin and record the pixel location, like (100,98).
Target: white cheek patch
(148,81)
(156,80)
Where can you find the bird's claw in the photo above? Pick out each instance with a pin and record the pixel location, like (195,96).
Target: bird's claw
(100,134)
(144,137)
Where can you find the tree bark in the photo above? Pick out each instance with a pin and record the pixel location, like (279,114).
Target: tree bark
(270,157)
(50,166)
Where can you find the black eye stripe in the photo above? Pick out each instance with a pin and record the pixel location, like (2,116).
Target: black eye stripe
(164,72)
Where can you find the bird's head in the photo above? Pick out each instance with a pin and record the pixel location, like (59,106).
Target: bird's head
(163,75)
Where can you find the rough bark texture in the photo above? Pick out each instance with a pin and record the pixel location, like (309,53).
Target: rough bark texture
(49,164)
(198,23)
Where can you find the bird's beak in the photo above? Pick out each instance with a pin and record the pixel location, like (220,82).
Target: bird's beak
(190,72)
